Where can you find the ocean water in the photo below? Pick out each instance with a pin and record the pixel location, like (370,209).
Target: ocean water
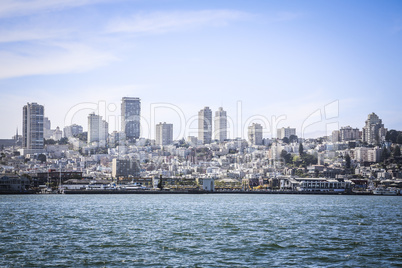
(200,231)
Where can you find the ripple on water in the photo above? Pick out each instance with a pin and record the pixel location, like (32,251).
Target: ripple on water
(200,231)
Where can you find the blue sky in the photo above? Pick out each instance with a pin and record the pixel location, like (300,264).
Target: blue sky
(312,65)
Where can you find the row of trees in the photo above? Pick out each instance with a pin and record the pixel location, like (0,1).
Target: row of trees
(62,141)
(394,136)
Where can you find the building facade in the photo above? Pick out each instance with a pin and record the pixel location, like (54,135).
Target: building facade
(57,134)
(32,126)
(164,134)
(348,133)
(117,138)
(255,134)
(131,117)
(125,168)
(73,130)
(47,131)
(205,125)
(97,129)
(221,125)
(285,132)
(374,131)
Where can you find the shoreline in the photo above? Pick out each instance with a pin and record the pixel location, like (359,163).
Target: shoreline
(148,192)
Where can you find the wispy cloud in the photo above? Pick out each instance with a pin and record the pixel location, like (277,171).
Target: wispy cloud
(159,22)
(10,8)
(61,58)
(18,35)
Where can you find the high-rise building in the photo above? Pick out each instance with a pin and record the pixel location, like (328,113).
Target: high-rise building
(125,168)
(130,117)
(32,126)
(285,132)
(164,134)
(47,131)
(348,133)
(374,131)
(336,136)
(205,125)
(221,125)
(255,134)
(97,129)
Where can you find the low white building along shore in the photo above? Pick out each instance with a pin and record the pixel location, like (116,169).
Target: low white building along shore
(315,185)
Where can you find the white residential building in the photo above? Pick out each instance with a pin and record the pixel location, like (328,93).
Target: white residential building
(285,132)
(164,134)
(97,129)
(205,125)
(255,134)
(374,131)
(220,132)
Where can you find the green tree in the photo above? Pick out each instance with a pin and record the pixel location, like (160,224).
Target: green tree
(397,151)
(42,158)
(285,140)
(63,141)
(392,135)
(347,159)
(49,141)
(301,149)
(399,139)
(160,185)
(82,136)
(309,159)
(287,158)
(293,138)
(384,154)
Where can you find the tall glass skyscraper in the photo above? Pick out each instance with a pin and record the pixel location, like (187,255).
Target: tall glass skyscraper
(130,117)
(32,126)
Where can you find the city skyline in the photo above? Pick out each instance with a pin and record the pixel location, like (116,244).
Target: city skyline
(276,59)
(213,129)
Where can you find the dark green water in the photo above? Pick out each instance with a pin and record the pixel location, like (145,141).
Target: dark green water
(200,231)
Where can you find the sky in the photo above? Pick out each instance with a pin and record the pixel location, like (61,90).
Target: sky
(312,65)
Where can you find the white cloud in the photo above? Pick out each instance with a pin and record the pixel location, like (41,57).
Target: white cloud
(62,58)
(10,8)
(18,35)
(158,22)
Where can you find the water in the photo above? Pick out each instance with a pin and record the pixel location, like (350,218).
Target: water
(200,231)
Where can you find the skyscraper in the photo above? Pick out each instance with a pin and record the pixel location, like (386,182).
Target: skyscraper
(221,125)
(130,117)
(255,134)
(97,129)
(374,131)
(164,134)
(205,125)
(32,126)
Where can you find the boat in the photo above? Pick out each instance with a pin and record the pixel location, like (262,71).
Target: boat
(385,191)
